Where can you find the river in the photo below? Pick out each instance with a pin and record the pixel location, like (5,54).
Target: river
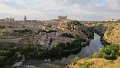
(94,46)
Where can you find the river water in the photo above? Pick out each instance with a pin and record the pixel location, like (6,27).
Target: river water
(94,46)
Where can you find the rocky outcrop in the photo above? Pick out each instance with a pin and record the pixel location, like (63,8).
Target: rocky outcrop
(51,35)
(51,38)
(112,34)
(108,30)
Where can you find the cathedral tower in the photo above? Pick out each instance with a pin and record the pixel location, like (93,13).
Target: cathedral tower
(25,18)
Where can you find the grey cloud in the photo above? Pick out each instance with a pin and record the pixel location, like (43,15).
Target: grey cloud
(77,9)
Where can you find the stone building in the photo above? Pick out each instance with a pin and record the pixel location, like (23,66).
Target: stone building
(62,17)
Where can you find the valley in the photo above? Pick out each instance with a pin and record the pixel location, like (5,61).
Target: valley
(58,43)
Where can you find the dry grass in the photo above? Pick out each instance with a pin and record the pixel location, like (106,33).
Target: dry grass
(95,63)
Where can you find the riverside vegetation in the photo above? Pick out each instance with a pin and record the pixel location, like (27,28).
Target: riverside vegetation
(106,57)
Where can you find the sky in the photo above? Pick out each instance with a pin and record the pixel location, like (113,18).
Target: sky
(50,9)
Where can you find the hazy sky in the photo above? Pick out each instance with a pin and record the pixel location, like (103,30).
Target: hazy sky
(49,9)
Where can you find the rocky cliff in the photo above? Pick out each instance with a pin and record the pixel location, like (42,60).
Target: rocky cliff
(108,30)
(112,34)
(68,31)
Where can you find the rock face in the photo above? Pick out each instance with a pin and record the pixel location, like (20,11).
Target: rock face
(49,34)
(50,39)
(112,34)
(109,30)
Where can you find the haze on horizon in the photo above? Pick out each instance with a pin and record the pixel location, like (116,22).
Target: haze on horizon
(50,9)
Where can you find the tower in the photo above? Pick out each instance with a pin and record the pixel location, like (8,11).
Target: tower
(25,18)
(66,16)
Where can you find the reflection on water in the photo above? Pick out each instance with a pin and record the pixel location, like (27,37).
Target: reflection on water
(95,45)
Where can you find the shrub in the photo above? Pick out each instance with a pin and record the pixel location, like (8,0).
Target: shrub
(85,65)
(109,52)
(49,31)
(67,35)
(75,22)
(23,31)
(2,27)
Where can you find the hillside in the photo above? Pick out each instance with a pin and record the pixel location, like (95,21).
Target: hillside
(112,34)
(95,63)
(109,55)
(66,31)
(67,37)
(106,57)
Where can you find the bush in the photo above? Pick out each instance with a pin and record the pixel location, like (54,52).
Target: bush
(30,51)
(10,55)
(85,65)
(2,27)
(7,58)
(109,52)
(75,22)
(67,35)
(49,31)
(23,31)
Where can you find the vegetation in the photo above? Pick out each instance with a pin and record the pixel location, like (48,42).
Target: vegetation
(30,51)
(104,42)
(96,63)
(85,65)
(23,31)
(15,53)
(47,31)
(8,56)
(65,49)
(11,54)
(73,24)
(2,27)
(110,30)
(106,57)
(67,35)
(109,52)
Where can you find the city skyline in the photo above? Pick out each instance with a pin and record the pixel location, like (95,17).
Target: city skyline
(50,9)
